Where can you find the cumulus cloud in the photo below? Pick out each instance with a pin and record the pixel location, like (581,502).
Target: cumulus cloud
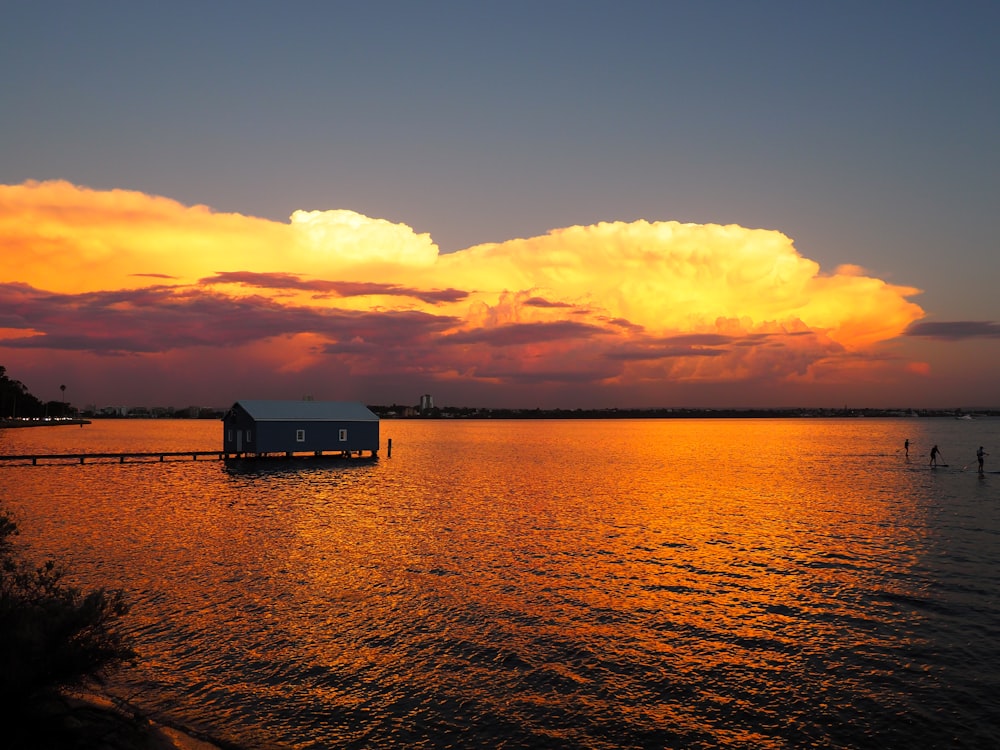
(611,304)
(354,239)
(683,277)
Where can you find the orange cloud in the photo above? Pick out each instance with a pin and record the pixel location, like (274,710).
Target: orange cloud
(667,276)
(104,273)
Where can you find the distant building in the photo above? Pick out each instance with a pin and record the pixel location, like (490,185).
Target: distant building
(426,402)
(263,427)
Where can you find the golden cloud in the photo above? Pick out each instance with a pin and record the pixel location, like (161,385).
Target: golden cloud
(347,238)
(668,276)
(637,302)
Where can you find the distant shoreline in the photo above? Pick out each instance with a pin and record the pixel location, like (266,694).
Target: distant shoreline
(452,412)
(395,412)
(18,423)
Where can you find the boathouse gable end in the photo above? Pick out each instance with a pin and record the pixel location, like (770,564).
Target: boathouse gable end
(261,427)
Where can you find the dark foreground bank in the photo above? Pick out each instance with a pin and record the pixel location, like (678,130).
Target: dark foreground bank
(92,721)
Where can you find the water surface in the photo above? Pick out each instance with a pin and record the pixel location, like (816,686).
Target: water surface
(577,584)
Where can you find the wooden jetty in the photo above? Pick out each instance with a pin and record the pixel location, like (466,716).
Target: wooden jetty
(36,459)
(158,456)
(60,422)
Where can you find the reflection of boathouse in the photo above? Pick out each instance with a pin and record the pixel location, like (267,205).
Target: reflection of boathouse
(258,428)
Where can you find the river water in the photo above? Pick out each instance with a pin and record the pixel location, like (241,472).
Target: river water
(547,584)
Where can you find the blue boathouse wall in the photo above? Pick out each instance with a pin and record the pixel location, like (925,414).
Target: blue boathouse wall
(256,427)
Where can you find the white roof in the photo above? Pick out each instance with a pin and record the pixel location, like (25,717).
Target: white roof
(317,411)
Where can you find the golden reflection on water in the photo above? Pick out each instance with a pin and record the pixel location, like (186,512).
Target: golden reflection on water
(578,583)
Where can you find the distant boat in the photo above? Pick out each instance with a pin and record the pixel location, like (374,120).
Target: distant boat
(963,416)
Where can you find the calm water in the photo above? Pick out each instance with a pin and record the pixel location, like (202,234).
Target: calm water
(592,584)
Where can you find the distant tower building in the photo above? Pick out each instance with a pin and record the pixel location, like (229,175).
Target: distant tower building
(426,402)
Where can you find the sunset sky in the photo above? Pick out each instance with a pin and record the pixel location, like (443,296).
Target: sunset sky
(520,204)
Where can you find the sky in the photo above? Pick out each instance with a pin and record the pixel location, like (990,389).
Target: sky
(517,204)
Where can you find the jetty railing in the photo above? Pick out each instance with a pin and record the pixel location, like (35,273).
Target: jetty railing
(54,459)
(131,457)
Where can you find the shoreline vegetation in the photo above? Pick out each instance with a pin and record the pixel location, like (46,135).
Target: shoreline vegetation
(57,643)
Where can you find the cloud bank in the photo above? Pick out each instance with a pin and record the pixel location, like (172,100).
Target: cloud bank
(955,330)
(115,283)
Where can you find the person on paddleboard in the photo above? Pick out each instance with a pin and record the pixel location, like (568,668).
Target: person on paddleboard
(934,455)
(979,457)
(906,447)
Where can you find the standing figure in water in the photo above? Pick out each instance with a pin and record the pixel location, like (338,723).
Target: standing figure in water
(934,455)
(906,447)
(979,457)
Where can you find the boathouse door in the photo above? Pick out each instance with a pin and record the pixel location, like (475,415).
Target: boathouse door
(239,441)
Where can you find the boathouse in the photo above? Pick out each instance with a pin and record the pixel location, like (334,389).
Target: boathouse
(260,428)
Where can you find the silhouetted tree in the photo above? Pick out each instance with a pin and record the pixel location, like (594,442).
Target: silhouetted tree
(51,634)
(15,400)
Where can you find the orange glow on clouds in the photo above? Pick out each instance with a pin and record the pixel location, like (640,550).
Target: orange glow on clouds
(110,276)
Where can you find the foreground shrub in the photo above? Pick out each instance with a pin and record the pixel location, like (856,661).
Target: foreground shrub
(51,634)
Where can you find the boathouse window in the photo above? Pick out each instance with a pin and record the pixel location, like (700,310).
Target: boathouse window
(249,436)
(230,438)
(300,436)
(343,436)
